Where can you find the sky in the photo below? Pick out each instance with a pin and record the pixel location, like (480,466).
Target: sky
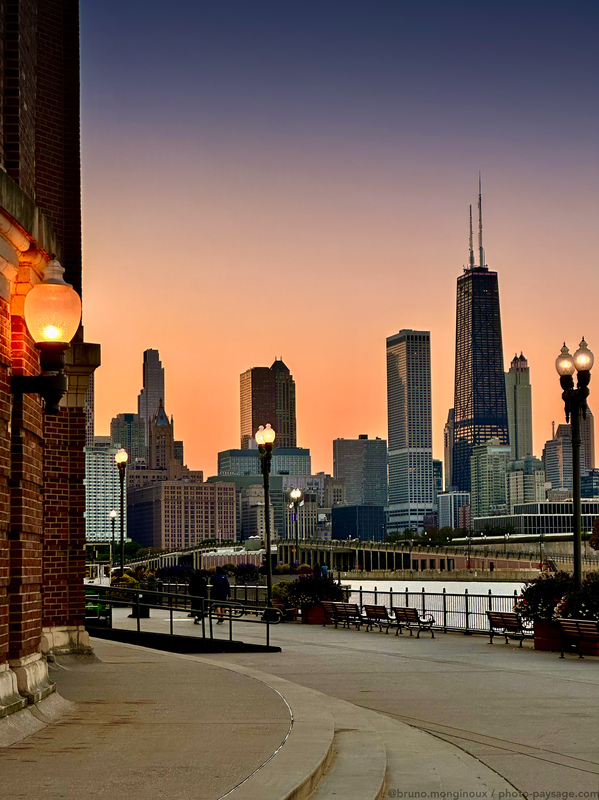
(265,179)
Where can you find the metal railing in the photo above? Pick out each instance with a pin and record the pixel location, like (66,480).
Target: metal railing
(99,607)
(466,613)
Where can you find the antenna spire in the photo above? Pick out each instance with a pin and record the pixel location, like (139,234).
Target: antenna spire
(471,242)
(481,252)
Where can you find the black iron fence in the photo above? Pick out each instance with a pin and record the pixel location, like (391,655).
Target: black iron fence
(462,612)
(452,612)
(100,603)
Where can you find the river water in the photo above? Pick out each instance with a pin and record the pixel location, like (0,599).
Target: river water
(436,587)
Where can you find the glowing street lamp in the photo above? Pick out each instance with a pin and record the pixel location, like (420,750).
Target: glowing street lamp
(121,458)
(52,312)
(575,403)
(265,437)
(297,499)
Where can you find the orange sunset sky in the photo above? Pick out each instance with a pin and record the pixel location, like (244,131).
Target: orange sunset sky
(295,182)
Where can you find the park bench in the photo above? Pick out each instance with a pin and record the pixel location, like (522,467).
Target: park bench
(508,624)
(577,631)
(378,615)
(329,612)
(411,619)
(345,613)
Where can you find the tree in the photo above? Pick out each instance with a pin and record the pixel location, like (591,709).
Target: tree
(594,540)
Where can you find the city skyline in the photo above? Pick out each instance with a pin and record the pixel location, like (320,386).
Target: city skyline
(340,182)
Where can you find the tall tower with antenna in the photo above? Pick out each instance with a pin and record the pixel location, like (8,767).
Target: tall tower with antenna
(480,409)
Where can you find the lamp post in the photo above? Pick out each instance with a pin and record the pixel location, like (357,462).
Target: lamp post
(506,536)
(265,437)
(121,459)
(469,541)
(575,403)
(297,499)
(52,311)
(112,515)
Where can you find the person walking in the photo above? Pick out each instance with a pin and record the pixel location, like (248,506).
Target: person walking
(198,590)
(221,590)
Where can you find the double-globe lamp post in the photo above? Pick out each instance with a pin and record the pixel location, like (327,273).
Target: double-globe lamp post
(112,515)
(121,459)
(575,402)
(265,437)
(296,496)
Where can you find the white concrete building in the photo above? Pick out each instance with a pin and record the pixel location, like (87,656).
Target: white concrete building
(410,430)
(102,491)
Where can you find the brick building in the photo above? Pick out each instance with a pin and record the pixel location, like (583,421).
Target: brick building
(42,529)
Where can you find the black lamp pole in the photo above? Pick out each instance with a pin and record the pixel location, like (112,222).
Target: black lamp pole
(113,521)
(265,450)
(575,403)
(121,461)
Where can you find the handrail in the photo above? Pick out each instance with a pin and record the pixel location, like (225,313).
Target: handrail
(206,608)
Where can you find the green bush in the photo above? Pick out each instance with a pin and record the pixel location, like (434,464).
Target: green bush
(582,603)
(304,569)
(229,569)
(541,595)
(281,591)
(307,591)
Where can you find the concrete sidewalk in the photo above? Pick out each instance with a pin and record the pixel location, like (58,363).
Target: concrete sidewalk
(453,714)
(146,726)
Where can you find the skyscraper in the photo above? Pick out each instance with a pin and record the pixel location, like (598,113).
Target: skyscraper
(362,464)
(285,419)
(519,407)
(153,388)
(587,440)
(489,465)
(410,429)
(267,394)
(479,398)
(557,458)
(448,449)
(129,431)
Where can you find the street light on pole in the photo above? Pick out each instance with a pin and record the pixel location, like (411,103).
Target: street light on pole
(575,402)
(297,499)
(121,459)
(265,437)
(112,515)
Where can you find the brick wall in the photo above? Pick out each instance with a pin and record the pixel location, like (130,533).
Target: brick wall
(19,97)
(58,152)
(64,524)
(25,535)
(5,360)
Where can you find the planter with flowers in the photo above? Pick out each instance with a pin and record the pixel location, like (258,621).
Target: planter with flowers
(582,603)
(307,593)
(538,601)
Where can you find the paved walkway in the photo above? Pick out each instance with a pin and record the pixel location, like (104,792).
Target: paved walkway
(153,725)
(146,726)
(529,715)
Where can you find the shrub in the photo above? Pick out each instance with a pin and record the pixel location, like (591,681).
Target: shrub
(281,591)
(229,569)
(175,574)
(541,595)
(308,591)
(583,602)
(304,569)
(247,573)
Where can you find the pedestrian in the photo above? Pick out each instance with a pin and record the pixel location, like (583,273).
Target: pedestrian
(221,589)
(317,571)
(198,590)
(325,571)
